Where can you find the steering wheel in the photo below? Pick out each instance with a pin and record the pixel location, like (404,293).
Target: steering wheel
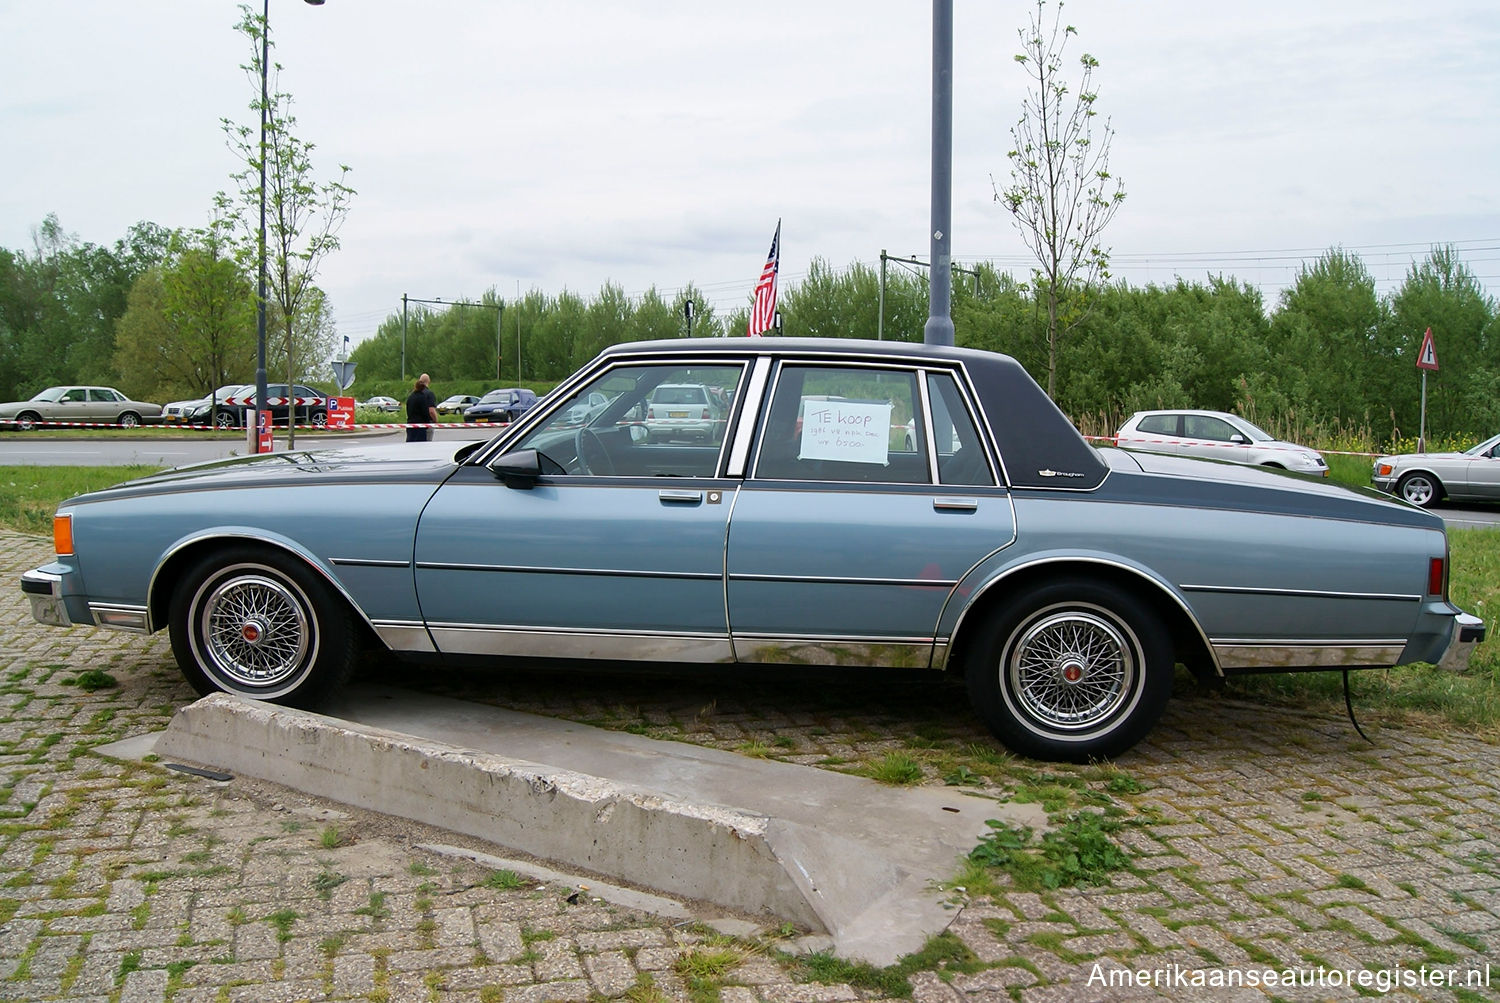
(586,440)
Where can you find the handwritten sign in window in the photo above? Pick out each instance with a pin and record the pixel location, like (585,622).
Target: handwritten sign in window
(846,430)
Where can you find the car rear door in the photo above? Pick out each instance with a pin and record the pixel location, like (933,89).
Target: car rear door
(617,551)
(843,545)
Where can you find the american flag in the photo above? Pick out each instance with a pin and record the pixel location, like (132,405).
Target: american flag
(763,313)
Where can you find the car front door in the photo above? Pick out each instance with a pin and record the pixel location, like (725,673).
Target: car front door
(616,549)
(845,545)
(1213,439)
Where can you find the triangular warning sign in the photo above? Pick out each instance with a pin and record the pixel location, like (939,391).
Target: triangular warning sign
(1427,355)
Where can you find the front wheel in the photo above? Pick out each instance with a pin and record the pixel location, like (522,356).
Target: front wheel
(261,624)
(1419,489)
(225,419)
(27,420)
(1077,670)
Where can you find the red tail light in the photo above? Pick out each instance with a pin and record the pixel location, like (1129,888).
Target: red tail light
(705,414)
(1437,577)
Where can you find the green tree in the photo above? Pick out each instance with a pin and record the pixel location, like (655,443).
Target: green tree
(1061,192)
(303,214)
(1463,396)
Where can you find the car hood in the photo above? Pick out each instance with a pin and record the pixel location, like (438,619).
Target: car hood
(1419,457)
(1189,482)
(408,462)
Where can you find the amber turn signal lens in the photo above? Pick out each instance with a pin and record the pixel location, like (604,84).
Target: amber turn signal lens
(1385,469)
(62,535)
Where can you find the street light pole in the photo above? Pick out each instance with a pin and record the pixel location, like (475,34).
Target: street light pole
(252,426)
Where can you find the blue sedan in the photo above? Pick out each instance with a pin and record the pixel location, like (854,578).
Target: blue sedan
(862,504)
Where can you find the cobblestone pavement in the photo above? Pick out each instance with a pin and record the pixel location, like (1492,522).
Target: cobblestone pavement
(1280,842)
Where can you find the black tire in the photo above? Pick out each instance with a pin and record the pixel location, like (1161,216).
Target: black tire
(259,623)
(26,420)
(320,418)
(1077,670)
(1420,488)
(129,420)
(225,419)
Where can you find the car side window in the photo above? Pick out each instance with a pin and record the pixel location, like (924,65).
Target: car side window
(101,394)
(76,395)
(832,423)
(1158,424)
(640,421)
(1202,426)
(960,451)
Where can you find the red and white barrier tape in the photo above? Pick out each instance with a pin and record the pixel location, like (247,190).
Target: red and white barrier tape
(1114,441)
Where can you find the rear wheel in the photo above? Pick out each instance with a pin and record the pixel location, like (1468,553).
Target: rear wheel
(129,420)
(1420,489)
(1078,670)
(261,624)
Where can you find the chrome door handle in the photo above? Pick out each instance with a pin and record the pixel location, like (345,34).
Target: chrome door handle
(956,504)
(690,497)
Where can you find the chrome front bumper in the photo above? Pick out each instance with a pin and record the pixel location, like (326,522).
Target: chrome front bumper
(44,589)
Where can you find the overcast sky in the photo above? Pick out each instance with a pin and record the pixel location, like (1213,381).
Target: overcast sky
(558,145)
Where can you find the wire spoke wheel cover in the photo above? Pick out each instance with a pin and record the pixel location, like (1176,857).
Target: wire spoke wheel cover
(260,623)
(1071,669)
(256,631)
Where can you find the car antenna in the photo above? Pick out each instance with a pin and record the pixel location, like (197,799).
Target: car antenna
(1349,705)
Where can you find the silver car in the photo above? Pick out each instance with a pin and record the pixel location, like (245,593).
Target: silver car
(1216,435)
(1426,478)
(78,405)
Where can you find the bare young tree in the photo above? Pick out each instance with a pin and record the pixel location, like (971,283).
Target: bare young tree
(1061,194)
(303,215)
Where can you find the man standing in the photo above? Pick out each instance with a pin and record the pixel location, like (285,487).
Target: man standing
(421,406)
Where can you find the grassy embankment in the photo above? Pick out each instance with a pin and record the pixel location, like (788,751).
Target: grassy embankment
(1469,701)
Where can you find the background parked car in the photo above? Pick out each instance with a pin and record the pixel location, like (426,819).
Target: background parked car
(1215,435)
(1426,478)
(457,404)
(684,411)
(209,410)
(378,403)
(314,410)
(505,404)
(103,405)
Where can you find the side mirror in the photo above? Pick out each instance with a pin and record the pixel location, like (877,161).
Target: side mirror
(1238,439)
(519,469)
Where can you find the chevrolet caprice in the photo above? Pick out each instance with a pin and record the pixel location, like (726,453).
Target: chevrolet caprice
(861,504)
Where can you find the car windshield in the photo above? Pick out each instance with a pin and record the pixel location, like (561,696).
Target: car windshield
(1256,434)
(51,394)
(496,397)
(1483,447)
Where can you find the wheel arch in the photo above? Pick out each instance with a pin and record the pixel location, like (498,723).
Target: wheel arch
(169,573)
(1190,644)
(1427,472)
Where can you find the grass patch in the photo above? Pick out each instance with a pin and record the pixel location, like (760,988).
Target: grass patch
(91,680)
(30,495)
(943,953)
(1079,852)
(504,880)
(895,768)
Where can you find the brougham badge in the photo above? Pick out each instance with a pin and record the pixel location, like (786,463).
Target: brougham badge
(1059,473)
